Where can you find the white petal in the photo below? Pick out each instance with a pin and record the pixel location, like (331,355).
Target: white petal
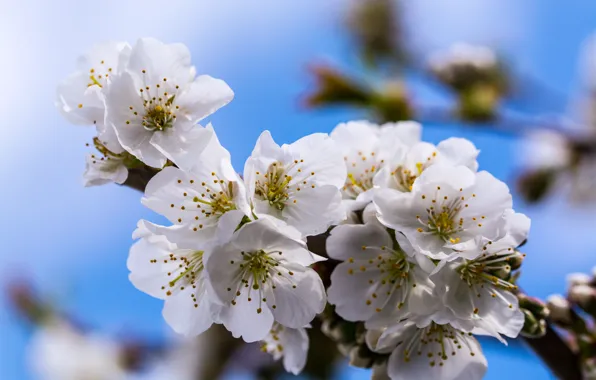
(299,300)
(159,60)
(315,209)
(204,96)
(263,234)
(321,156)
(350,290)
(295,343)
(184,317)
(79,103)
(404,132)
(148,276)
(242,319)
(183,147)
(458,151)
(104,58)
(102,170)
(455,177)
(346,241)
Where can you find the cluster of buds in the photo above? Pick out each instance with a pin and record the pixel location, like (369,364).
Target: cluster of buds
(575,314)
(476,75)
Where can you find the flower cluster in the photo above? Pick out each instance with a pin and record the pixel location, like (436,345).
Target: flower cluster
(426,264)
(424,239)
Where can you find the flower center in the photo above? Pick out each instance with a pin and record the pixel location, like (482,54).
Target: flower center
(361,171)
(158,117)
(404,178)
(274,187)
(491,269)
(437,343)
(219,202)
(255,272)
(395,275)
(186,273)
(441,224)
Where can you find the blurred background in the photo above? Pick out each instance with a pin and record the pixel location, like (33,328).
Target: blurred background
(66,246)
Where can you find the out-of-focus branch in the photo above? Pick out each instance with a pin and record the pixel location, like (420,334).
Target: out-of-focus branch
(556,354)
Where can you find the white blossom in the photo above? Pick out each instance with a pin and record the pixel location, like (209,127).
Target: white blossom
(155,102)
(447,205)
(195,201)
(80,98)
(546,150)
(460,54)
(60,352)
(297,183)
(403,167)
(374,281)
(262,276)
(431,351)
(365,147)
(289,344)
(161,269)
(473,290)
(429,342)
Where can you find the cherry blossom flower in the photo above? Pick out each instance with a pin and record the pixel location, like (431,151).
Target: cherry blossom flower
(431,351)
(447,205)
(80,98)
(429,342)
(365,147)
(155,102)
(374,281)
(262,276)
(195,201)
(289,344)
(60,352)
(297,183)
(404,166)
(162,269)
(474,289)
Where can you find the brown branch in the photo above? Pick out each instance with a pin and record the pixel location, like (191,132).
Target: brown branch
(556,354)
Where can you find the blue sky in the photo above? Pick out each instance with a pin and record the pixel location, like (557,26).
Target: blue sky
(73,242)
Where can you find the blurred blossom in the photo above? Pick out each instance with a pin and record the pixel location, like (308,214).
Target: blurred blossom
(460,54)
(60,352)
(463,66)
(375,27)
(546,149)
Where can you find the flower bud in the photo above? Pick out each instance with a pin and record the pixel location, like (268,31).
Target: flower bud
(534,185)
(516,261)
(392,104)
(560,310)
(585,297)
(533,327)
(479,103)
(334,87)
(534,305)
(574,279)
